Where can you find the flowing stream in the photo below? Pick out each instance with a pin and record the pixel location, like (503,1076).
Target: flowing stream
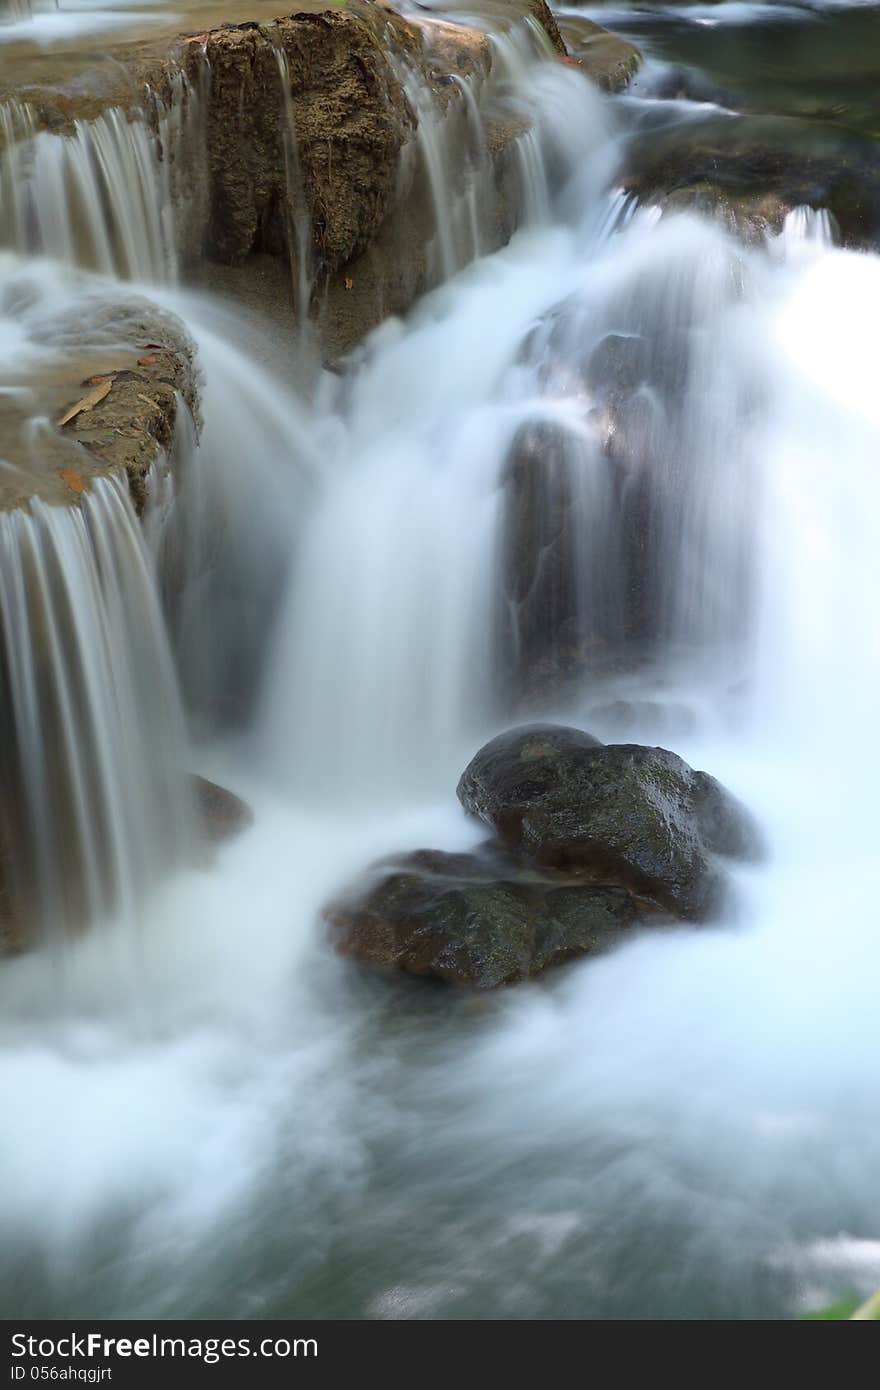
(206,1111)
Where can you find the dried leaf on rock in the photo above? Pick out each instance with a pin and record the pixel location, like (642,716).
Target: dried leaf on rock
(87,403)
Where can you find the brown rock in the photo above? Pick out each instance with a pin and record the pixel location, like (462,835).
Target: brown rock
(223,813)
(607,59)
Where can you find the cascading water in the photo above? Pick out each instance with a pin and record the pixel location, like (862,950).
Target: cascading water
(94,802)
(297,212)
(665,421)
(625,451)
(514,102)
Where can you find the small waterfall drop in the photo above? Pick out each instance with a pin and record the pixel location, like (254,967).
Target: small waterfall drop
(668,423)
(11,10)
(95,805)
(298,214)
(110,196)
(223,537)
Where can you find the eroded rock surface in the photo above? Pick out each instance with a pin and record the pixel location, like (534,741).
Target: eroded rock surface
(294,137)
(480,920)
(606,58)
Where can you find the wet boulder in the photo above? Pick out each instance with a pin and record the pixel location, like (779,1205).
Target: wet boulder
(479,920)
(628,814)
(605,58)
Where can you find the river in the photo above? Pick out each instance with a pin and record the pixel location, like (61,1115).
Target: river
(207,1113)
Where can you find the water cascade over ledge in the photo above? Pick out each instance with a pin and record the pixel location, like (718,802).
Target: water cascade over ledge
(95,806)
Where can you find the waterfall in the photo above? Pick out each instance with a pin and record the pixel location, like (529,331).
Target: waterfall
(95,802)
(626,354)
(526,110)
(11,10)
(101,197)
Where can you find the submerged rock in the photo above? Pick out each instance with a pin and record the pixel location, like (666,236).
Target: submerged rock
(538,622)
(480,920)
(630,814)
(122,373)
(223,814)
(751,216)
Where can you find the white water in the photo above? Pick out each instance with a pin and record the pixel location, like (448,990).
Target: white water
(687,1127)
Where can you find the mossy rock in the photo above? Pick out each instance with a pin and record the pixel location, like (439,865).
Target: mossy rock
(479,920)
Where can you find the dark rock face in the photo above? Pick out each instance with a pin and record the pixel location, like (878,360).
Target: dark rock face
(628,814)
(573,497)
(479,920)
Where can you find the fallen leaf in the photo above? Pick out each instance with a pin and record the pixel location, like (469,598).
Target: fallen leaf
(148,401)
(73,480)
(147,361)
(349,283)
(87,403)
